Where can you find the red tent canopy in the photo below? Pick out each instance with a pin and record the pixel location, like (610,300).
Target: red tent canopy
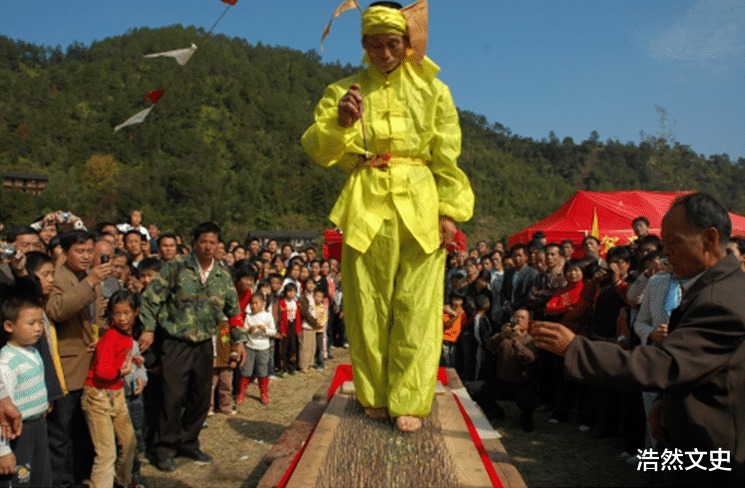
(615,210)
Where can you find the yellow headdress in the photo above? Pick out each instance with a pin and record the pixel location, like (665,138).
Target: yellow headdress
(410,20)
(383,20)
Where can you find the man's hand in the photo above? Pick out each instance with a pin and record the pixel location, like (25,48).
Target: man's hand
(11,422)
(240,349)
(18,264)
(8,464)
(126,367)
(552,337)
(140,386)
(146,340)
(447,231)
(350,106)
(98,273)
(659,334)
(507,331)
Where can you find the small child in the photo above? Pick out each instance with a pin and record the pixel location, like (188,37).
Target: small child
(276,282)
(41,267)
(25,460)
(223,366)
(103,399)
(146,271)
(244,280)
(454,317)
(320,304)
(134,386)
(260,328)
(307,338)
(290,326)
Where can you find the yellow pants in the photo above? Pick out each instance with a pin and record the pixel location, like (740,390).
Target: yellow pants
(393,296)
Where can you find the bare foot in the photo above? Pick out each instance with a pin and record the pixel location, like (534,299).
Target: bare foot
(380,413)
(407,423)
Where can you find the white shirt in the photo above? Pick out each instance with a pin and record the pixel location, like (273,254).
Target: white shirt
(652,309)
(259,340)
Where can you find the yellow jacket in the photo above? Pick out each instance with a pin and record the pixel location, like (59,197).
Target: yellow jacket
(410,115)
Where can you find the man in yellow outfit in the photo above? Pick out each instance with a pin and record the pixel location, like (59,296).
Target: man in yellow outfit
(395,129)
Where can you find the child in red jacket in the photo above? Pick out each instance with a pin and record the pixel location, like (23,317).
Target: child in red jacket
(103,399)
(290,327)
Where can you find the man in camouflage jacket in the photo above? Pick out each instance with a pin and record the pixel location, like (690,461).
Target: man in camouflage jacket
(188,300)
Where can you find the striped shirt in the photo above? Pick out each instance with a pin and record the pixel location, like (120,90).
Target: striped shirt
(22,373)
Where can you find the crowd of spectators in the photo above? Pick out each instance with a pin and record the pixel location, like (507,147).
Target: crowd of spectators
(623,295)
(279,313)
(282,314)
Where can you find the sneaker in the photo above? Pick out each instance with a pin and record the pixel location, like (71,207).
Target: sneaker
(273,377)
(584,428)
(554,421)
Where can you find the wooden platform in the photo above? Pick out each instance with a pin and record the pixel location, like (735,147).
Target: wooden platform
(348,449)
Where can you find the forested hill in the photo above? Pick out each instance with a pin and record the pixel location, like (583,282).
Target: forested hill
(223,142)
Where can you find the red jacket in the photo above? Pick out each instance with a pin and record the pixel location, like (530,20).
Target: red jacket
(284,320)
(111,352)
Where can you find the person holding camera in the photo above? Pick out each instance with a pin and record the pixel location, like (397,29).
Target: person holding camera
(48,226)
(72,307)
(515,375)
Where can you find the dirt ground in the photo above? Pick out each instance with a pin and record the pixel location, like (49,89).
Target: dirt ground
(551,455)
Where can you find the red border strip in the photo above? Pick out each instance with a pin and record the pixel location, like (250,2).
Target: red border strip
(291,469)
(495,481)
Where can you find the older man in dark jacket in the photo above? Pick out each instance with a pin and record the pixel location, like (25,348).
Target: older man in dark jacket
(699,368)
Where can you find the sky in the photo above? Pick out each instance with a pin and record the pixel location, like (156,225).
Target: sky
(534,66)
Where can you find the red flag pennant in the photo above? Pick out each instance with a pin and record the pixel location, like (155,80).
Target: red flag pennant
(229,2)
(154,96)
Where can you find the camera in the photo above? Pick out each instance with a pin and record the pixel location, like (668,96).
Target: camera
(105,259)
(7,251)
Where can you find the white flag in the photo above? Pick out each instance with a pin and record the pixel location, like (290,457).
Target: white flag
(137,118)
(181,56)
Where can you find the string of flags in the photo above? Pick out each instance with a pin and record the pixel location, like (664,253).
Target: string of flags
(182,56)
